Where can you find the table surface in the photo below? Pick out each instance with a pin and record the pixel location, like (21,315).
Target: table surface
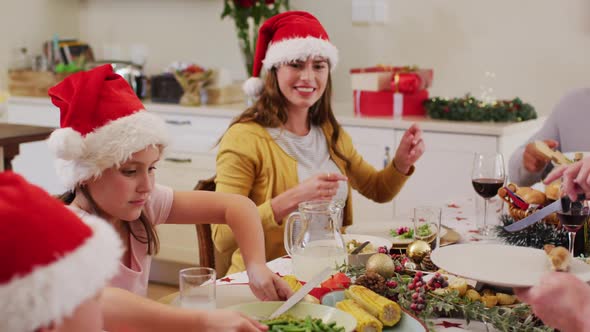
(17,134)
(460,215)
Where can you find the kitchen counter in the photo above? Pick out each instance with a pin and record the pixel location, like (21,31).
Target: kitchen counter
(427,124)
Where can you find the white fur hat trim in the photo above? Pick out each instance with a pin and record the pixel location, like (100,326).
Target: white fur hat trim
(105,147)
(52,292)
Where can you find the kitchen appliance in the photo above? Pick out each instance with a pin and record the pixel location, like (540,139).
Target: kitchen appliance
(166,89)
(132,73)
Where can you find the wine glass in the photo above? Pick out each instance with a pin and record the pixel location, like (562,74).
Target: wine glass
(572,216)
(487,176)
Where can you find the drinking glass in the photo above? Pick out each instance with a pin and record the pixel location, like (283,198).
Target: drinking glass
(427,221)
(197,288)
(572,216)
(487,176)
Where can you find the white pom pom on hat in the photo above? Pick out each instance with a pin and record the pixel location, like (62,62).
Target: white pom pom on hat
(253,86)
(292,35)
(66,143)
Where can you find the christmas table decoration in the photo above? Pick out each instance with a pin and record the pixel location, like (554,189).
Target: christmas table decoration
(446,296)
(192,79)
(390,91)
(468,108)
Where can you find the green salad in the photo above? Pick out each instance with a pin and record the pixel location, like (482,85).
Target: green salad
(287,323)
(408,233)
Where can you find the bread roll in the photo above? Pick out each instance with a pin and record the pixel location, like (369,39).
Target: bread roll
(552,190)
(531,195)
(559,257)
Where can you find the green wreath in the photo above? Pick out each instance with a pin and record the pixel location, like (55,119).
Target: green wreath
(469,108)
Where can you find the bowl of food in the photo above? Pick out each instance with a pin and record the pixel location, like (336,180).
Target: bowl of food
(353,241)
(325,318)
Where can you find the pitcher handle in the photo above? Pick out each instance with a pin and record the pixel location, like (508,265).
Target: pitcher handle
(288,241)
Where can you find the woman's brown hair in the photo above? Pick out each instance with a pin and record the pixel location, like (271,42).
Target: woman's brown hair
(150,236)
(270,110)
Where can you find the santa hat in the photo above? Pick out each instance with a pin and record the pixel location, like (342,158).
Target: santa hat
(51,260)
(102,124)
(289,36)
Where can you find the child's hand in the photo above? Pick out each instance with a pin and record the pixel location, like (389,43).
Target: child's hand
(266,285)
(410,149)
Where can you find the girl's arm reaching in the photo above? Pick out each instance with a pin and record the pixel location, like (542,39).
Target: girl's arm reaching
(241,215)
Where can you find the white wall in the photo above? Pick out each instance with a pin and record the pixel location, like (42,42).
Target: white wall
(28,23)
(537,49)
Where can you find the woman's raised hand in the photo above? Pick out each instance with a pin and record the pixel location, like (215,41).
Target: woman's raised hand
(410,149)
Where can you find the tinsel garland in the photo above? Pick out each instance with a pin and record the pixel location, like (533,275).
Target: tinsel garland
(535,236)
(468,108)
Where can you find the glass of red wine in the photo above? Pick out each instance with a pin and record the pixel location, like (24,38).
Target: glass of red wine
(572,216)
(487,176)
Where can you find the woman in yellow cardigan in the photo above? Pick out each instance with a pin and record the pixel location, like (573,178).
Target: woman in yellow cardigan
(288,147)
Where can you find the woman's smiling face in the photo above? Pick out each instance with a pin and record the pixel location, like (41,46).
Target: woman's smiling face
(303,82)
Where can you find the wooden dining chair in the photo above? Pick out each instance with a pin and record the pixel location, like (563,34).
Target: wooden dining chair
(205,242)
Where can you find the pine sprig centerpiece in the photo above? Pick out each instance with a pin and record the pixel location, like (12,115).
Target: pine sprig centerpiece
(468,108)
(535,236)
(418,297)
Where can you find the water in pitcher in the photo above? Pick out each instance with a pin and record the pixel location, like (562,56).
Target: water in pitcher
(309,261)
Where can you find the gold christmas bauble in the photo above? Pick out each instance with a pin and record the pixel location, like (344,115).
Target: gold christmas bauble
(417,250)
(381,264)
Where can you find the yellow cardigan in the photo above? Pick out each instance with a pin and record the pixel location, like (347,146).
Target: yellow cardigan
(251,163)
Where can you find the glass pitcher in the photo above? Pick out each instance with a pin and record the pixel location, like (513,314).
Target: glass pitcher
(313,239)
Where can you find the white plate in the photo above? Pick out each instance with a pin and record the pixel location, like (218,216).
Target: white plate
(408,323)
(228,295)
(502,265)
(326,313)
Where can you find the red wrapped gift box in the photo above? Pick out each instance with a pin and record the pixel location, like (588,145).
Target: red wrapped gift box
(389,103)
(385,78)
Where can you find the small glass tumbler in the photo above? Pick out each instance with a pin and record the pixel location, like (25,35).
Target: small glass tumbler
(197,288)
(427,224)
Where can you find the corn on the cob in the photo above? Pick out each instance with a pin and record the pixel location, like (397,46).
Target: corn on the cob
(293,282)
(365,322)
(388,312)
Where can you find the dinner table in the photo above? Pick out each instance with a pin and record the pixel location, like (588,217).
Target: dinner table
(458,215)
(12,135)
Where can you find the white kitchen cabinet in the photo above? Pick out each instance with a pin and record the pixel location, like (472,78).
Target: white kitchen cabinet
(371,143)
(443,171)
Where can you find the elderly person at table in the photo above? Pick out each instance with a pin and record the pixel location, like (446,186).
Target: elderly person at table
(562,300)
(288,147)
(564,129)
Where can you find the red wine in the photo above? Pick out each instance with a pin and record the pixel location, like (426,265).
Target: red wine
(572,222)
(486,187)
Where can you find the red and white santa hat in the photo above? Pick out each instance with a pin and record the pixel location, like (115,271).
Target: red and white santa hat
(51,260)
(102,124)
(292,35)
